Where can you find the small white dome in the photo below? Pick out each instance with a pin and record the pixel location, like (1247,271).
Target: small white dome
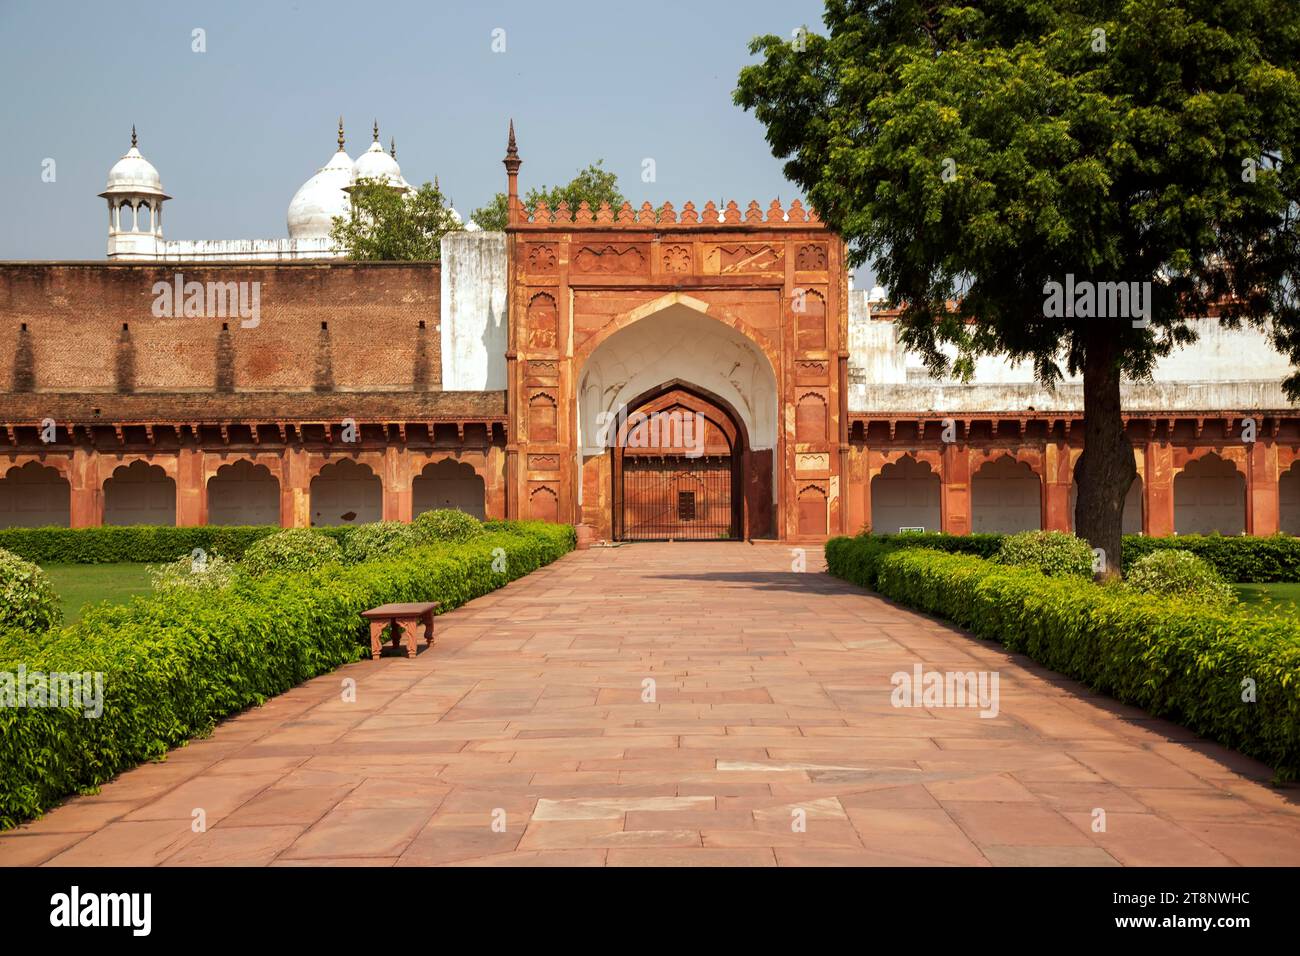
(320,199)
(133,174)
(877,294)
(374,163)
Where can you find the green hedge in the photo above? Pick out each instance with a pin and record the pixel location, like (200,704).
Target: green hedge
(177,662)
(1239,558)
(149,543)
(1243,559)
(1173,659)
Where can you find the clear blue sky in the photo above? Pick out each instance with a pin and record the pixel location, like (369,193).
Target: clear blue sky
(235,130)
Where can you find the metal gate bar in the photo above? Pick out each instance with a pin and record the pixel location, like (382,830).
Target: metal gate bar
(662,497)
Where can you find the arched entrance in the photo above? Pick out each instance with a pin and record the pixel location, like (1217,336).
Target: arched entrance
(675,358)
(448,484)
(677,458)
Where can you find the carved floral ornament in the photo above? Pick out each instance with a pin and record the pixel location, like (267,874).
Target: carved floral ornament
(541,257)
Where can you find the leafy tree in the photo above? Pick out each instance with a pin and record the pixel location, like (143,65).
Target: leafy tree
(979,150)
(387,225)
(595,184)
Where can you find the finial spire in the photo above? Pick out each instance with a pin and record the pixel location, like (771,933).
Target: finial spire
(340,134)
(132,134)
(392,147)
(512,162)
(376,131)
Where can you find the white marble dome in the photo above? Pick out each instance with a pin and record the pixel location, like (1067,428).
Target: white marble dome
(133,174)
(374,163)
(320,199)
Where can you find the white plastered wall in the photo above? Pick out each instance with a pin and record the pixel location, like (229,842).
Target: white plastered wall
(473,326)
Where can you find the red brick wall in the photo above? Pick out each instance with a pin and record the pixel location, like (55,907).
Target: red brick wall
(74,314)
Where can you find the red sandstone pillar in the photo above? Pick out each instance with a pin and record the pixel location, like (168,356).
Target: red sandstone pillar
(397,486)
(295,489)
(191,495)
(857,491)
(1056,487)
(1262,505)
(1158,490)
(954,500)
(87,504)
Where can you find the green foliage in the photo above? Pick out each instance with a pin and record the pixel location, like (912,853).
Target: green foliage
(27,599)
(196,572)
(446,524)
(175,663)
(1238,558)
(1052,552)
(293,549)
(389,226)
(1175,573)
(1108,157)
(1179,660)
(861,555)
(975,153)
(369,541)
(595,184)
(155,544)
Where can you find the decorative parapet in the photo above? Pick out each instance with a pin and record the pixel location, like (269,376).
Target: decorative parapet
(668,217)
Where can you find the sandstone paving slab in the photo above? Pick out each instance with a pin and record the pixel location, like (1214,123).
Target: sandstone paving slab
(524,737)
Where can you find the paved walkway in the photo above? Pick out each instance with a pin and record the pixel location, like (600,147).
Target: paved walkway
(522,737)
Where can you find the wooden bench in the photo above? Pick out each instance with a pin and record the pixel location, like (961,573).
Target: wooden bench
(403,619)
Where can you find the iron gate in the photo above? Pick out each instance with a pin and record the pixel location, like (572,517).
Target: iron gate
(662,497)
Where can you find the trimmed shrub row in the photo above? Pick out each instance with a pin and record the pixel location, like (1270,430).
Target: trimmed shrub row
(148,543)
(1241,559)
(1244,560)
(1175,659)
(175,663)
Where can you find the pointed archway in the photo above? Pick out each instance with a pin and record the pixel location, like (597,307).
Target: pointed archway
(677,462)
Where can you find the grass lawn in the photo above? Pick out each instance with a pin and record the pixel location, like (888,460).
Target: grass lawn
(79,585)
(1282,598)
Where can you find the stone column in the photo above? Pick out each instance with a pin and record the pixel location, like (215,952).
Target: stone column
(1056,487)
(954,499)
(87,490)
(1262,504)
(1158,490)
(295,489)
(397,485)
(191,495)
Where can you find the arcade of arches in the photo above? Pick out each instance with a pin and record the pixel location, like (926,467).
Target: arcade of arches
(254,490)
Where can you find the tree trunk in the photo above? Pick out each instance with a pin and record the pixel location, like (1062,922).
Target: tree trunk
(1106,467)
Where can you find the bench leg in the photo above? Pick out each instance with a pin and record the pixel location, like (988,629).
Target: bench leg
(428,629)
(376,638)
(410,631)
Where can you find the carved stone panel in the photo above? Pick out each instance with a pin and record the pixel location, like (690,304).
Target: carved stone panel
(543,323)
(812,462)
(743,258)
(677,259)
(810,322)
(812,372)
(543,372)
(811,258)
(541,257)
(543,418)
(610,259)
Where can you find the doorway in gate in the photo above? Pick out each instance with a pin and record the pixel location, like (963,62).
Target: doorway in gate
(678,468)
